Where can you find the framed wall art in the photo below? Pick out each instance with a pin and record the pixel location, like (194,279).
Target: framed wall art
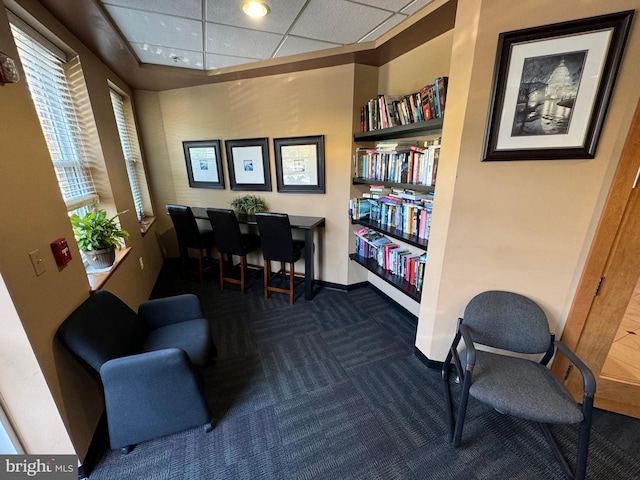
(552,86)
(248,162)
(204,163)
(300,164)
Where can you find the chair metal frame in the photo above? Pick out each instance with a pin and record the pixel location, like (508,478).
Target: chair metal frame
(464,376)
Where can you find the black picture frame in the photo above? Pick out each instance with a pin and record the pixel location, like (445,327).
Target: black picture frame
(248,162)
(552,86)
(300,164)
(204,163)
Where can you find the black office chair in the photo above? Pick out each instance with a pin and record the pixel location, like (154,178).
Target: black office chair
(193,234)
(278,245)
(230,241)
(514,385)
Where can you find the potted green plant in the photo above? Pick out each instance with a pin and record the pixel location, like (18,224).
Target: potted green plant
(249,204)
(98,236)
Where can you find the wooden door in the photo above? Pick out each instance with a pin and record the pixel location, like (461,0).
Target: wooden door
(607,284)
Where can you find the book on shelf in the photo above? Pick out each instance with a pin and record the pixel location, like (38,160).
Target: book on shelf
(395,145)
(371,236)
(426,102)
(391,198)
(414,195)
(432,148)
(411,217)
(399,162)
(420,273)
(378,191)
(392,257)
(386,111)
(441,84)
(393,116)
(360,208)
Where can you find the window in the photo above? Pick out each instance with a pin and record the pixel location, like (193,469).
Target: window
(130,148)
(47,73)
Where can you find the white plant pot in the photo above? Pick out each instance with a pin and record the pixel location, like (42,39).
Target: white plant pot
(100,259)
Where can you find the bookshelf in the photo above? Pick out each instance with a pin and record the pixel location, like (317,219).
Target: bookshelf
(414,242)
(393,280)
(409,186)
(420,129)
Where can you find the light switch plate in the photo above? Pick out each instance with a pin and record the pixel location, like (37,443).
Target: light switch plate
(37,262)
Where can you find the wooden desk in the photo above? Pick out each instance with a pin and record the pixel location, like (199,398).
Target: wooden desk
(299,222)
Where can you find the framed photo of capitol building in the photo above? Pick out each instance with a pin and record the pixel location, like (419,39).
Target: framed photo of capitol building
(552,86)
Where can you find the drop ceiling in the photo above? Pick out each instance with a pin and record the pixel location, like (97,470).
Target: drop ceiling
(214,34)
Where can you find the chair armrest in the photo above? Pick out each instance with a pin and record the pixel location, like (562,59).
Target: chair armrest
(166,311)
(588,380)
(151,394)
(170,364)
(469,346)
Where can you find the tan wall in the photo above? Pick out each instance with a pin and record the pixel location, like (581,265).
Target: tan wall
(317,102)
(523,226)
(35,215)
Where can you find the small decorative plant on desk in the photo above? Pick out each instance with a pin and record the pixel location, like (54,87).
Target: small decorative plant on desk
(98,236)
(249,204)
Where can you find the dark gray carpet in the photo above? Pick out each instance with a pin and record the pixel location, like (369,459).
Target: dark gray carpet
(331,389)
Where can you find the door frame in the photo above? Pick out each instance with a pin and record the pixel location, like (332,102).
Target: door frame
(579,329)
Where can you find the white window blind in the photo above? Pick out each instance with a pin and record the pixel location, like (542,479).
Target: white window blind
(54,103)
(130,149)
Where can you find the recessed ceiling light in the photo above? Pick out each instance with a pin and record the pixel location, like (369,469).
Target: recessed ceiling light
(255,9)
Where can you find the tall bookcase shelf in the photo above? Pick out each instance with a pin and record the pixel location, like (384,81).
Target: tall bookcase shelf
(430,127)
(412,240)
(413,130)
(408,186)
(393,280)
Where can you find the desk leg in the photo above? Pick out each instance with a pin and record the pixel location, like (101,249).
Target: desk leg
(308,264)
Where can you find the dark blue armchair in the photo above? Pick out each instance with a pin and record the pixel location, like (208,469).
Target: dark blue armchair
(147,363)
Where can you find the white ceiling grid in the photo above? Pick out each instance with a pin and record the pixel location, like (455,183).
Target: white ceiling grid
(211,34)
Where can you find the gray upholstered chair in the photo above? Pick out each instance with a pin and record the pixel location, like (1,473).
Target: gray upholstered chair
(516,385)
(147,363)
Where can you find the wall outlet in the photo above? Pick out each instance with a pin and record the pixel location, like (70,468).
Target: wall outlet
(141,263)
(37,262)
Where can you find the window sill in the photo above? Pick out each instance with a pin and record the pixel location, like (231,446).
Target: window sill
(145,225)
(97,279)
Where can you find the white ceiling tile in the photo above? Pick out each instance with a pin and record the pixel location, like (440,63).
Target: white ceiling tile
(294,45)
(183,8)
(229,37)
(168,56)
(281,15)
(337,21)
(416,6)
(393,5)
(241,42)
(221,61)
(158,29)
(385,27)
